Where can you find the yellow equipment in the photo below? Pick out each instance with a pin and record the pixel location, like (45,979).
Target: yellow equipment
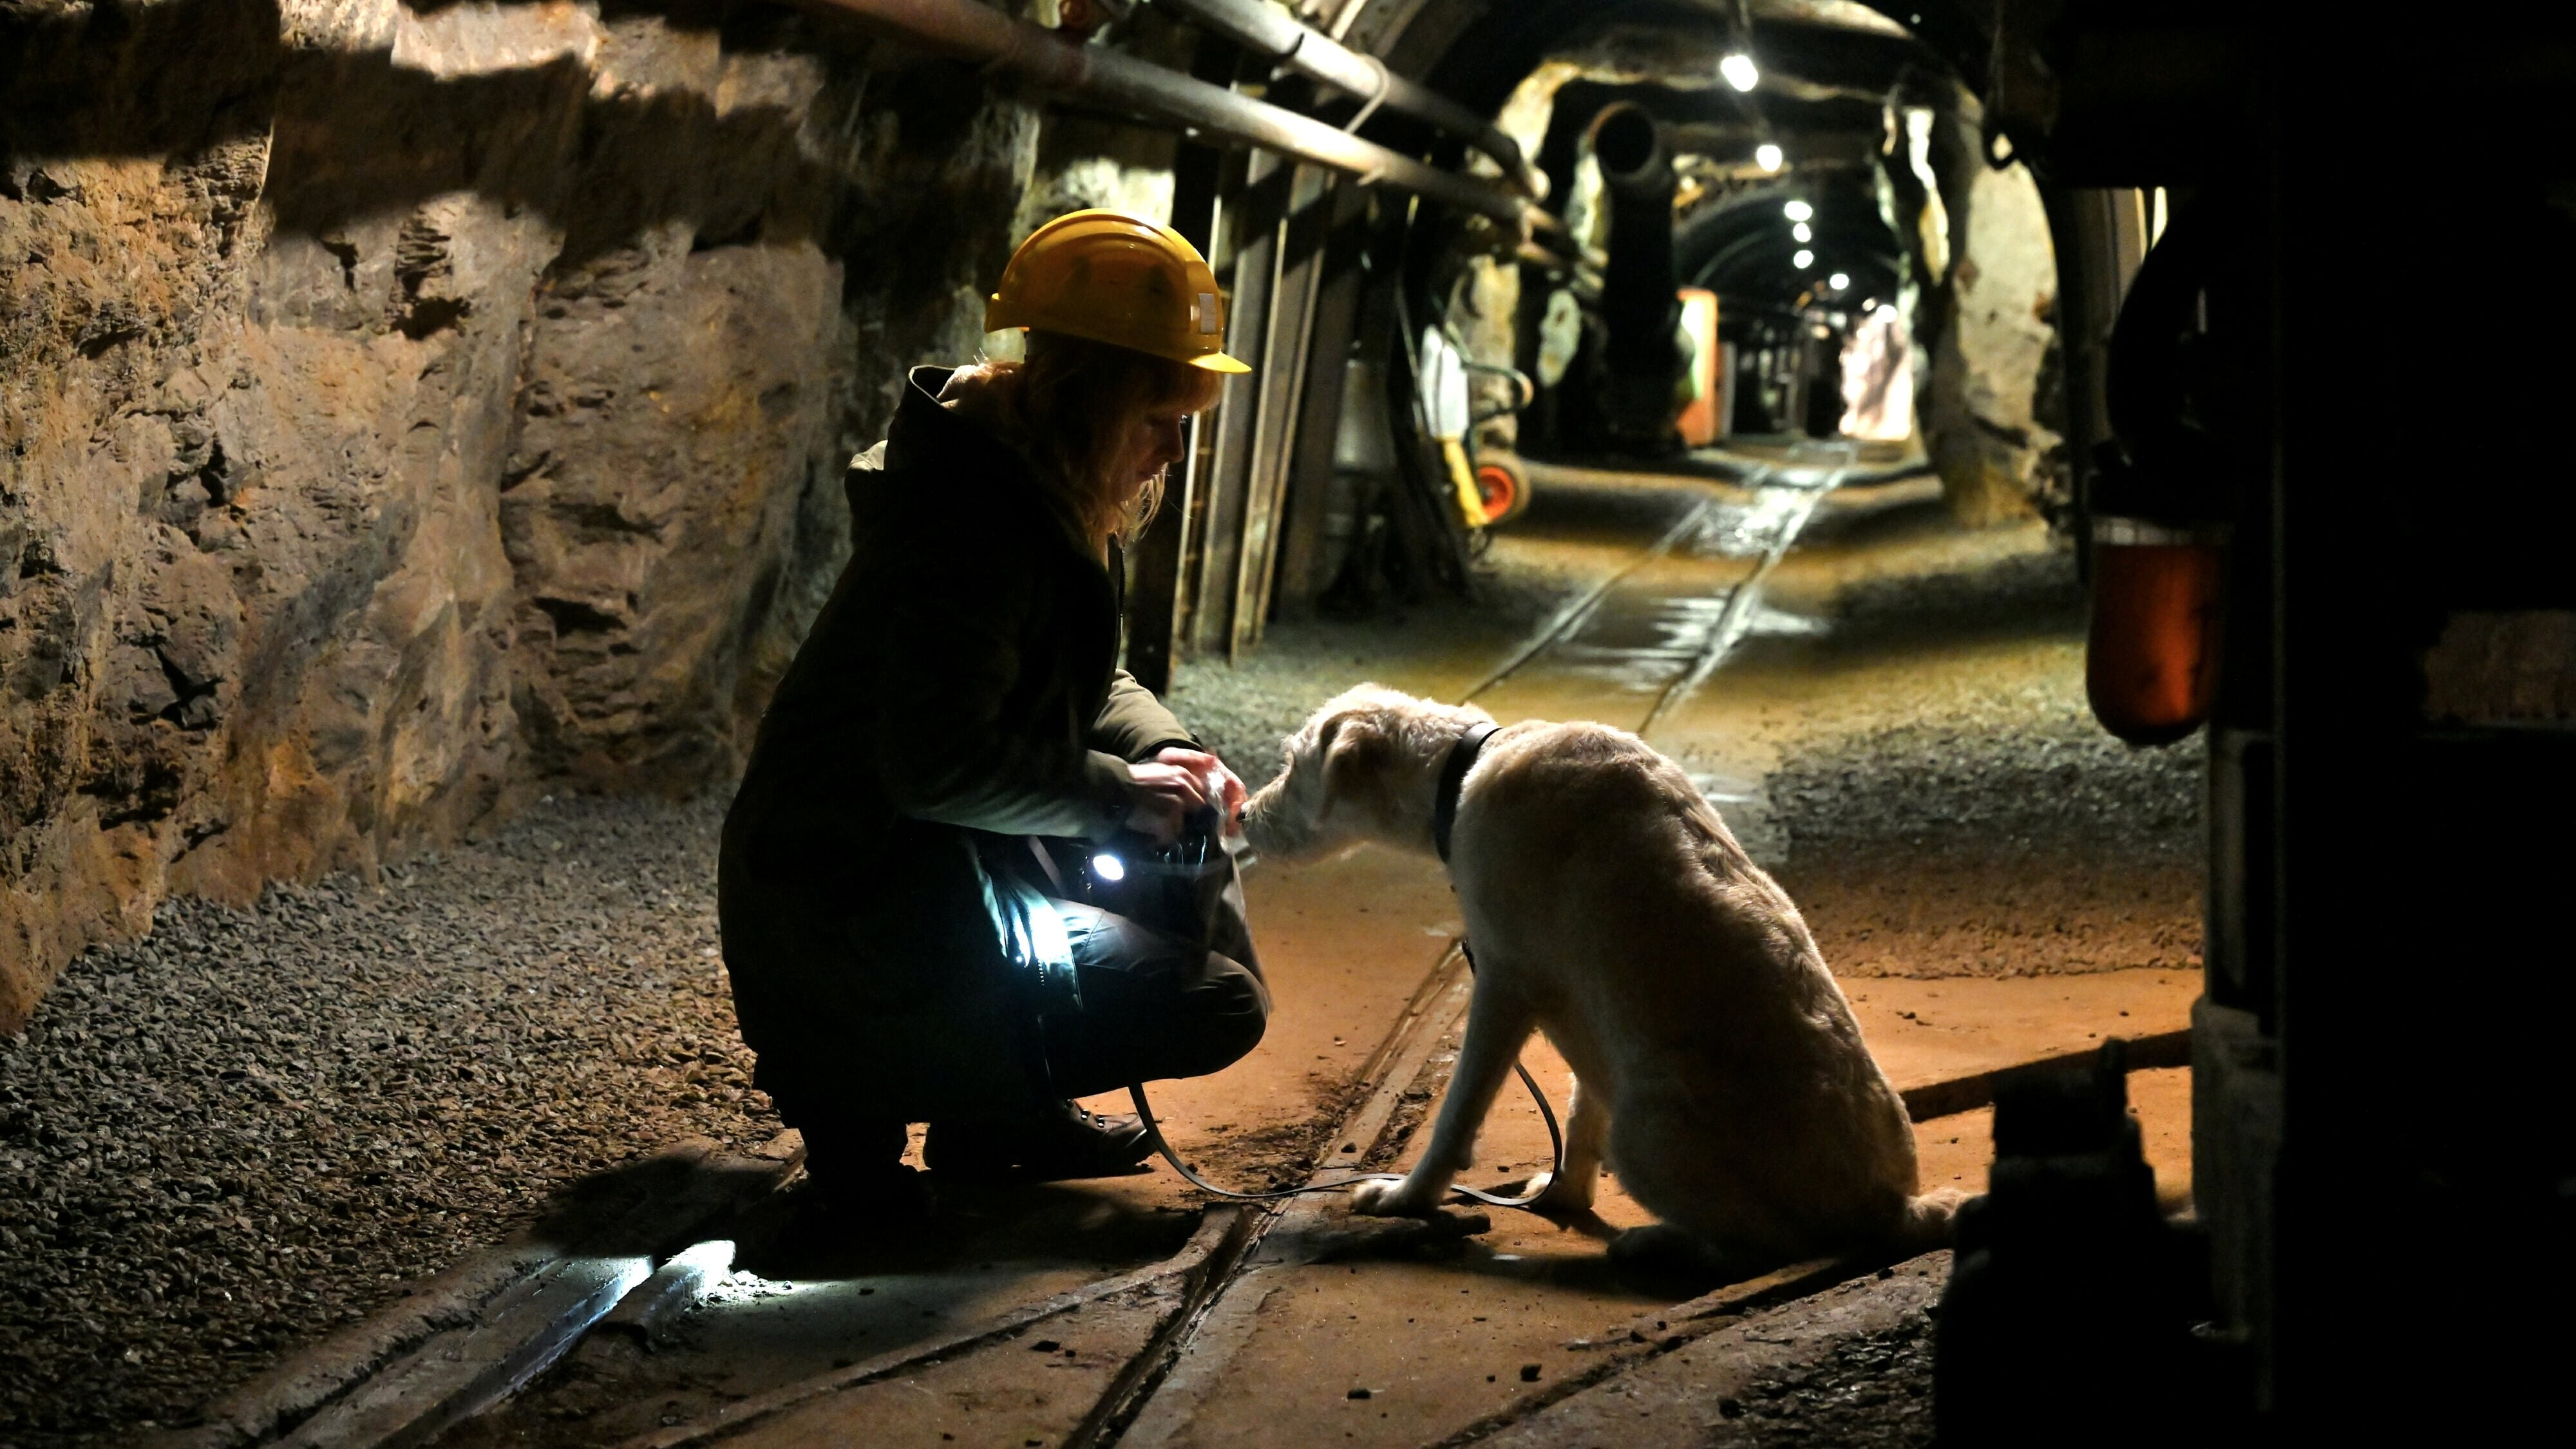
(1118,279)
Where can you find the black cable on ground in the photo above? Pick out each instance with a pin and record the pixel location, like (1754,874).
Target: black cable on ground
(1555,1139)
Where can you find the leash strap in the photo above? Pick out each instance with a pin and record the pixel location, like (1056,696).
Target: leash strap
(1444,816)
(1547,1114)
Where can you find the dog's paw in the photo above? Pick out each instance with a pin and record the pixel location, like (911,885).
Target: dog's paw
(1383,1199)
(1556,1197)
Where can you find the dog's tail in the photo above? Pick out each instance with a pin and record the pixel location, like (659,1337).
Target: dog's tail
(1927,1220)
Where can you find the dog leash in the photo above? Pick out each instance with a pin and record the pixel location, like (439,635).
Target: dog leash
(1444,816)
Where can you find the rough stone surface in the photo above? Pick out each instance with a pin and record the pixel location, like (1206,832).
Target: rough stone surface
(1988,405)
(259,1123)
(401,404)
(1851,1365)
(1872,1389)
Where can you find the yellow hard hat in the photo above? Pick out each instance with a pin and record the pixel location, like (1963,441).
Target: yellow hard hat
(1118,279)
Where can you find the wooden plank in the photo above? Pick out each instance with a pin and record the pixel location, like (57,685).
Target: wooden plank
(1221,1235)
(1281,380)
(1219,541)
(1160,590)
(1319,411)
(464,1371)
(1968,1093)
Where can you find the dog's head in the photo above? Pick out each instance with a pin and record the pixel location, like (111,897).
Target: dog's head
(1363,766)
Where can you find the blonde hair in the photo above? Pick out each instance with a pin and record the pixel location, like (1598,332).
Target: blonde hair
(1072,403)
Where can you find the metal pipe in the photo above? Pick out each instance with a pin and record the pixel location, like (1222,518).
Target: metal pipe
(1033,54)
(1279,38)
(1638,300)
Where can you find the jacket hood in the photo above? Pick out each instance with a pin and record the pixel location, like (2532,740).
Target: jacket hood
(927,436)
(925,433)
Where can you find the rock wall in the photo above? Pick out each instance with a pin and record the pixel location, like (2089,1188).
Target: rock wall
(406,407)
(1991,414)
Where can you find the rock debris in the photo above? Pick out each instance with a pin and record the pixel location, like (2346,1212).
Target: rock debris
(1874,1391)
(226,1139)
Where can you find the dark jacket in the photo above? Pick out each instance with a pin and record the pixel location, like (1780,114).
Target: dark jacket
(961,686)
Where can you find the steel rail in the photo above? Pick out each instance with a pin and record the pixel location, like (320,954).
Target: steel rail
(1735,619)
(1281,39)
(1040,58)
(1571,615)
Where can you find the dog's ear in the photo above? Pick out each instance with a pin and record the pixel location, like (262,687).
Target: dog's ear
(1355,754)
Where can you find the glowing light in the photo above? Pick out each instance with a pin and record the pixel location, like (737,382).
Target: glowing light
(1739,71)
(1803,260)
(712,1258)
(1838,280)
(1109,868)
(1798,211)
(1768,156)
(1802,232)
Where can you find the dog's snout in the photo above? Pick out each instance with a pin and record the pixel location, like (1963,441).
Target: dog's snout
(1260,820)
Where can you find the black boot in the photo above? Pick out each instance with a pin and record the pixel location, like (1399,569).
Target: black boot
(1061,1141)
(858,1168)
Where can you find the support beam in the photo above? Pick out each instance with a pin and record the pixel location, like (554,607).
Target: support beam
(1040,58)
(1300,236)
(1277,37)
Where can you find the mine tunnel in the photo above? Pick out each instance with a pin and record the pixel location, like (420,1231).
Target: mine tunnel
(1984,579)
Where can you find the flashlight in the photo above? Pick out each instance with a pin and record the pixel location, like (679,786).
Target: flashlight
(1109,868)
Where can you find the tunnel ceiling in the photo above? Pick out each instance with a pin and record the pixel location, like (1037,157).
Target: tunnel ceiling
(1745,251)
(1478,50)
(1829,69)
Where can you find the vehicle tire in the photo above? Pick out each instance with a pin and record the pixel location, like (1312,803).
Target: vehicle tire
(1503,485)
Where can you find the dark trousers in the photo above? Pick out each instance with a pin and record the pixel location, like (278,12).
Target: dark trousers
(1154,1007)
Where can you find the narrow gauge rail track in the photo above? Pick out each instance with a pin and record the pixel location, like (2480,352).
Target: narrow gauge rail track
(1784,497)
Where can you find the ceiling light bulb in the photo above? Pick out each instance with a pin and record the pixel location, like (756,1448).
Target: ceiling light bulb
(1803,260)
(1838,280)
(1798,211)
(1768,156)
(1739,71)
(1803,232)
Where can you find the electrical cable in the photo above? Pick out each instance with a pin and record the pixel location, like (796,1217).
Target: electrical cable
(1162,1145)
(1527,1203)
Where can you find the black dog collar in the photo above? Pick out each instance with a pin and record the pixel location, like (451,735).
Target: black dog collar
(1453,774)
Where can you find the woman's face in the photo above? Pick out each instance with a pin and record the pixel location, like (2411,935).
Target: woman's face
(1156,440)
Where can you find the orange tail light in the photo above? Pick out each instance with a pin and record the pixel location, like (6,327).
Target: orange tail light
(2151,659)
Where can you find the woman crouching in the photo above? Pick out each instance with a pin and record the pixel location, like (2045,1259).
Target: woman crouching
(901,938)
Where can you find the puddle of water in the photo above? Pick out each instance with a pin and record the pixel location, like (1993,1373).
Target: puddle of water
(1753,530)
(1766,622)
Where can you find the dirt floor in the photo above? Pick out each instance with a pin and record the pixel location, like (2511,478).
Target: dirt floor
(221,1141)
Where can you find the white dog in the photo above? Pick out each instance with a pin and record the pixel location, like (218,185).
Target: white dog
(1717,1066)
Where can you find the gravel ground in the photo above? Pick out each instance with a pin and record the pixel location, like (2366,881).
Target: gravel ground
(224,1140)
(2004,757)
(1243,710)
(1872,1392)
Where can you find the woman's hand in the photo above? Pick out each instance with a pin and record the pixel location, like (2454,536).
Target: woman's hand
(1163,796)
(1175,783)
(1220,783)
